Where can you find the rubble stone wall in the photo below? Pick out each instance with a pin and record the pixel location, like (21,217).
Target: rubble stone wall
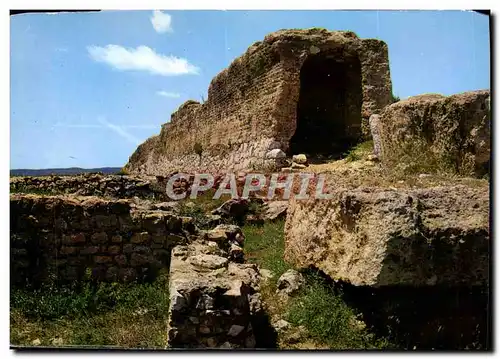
(67,238)
(252,105)
(111,186)
(214,301)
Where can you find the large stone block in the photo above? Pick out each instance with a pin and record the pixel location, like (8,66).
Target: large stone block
(382,237)
(451,134)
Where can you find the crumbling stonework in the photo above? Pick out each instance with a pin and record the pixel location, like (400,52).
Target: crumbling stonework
(261,103)
(214,302)
(63,237)
(451,134)
(381,237)
(111,186)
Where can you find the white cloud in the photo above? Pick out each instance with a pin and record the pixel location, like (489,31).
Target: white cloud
(142,58)
(162,22)
(168,94)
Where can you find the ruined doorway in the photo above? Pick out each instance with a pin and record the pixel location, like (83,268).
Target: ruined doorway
(329,106)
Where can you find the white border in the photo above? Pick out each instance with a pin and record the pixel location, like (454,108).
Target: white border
(180,5)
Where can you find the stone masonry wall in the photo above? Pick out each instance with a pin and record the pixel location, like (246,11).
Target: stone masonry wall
(111,186)
(251,106)
(214,298)
(65,238)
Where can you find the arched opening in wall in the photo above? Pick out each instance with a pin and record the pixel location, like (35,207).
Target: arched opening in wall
(329,106)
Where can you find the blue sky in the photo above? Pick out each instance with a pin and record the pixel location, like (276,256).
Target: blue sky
(87,88)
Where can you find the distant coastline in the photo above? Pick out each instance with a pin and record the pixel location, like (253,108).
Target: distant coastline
(62,171)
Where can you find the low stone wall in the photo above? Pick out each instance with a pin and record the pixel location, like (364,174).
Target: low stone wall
(112,186)
(214,301)
(65,238)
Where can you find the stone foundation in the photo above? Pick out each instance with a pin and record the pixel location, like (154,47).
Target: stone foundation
(110,186)
(214,302)
(66,238)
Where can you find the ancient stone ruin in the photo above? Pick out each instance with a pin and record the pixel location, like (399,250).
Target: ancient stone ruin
(290,88)
(412,251)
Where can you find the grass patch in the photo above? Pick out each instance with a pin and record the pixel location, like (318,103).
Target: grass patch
(359,151)
(264,245)
(105,314)
(329,319)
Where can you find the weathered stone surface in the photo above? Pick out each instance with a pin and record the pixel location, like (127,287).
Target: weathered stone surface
(80,243)
(453,132)
(290,283)
(211,308)
(251,107)
(300,159)
(275,154)
(374,131)
(233,208)
(379,236)
(275,210)
(298,166)
(113,186)
(208,261)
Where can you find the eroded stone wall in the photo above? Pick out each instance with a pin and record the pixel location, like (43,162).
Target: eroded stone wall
(111,186)
(252,105)
(214,299)
(66,238)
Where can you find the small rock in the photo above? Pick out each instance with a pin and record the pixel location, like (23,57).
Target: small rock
(178,302)
(281,325)
(300,159)
(250,342)
(204,329)
(208,261)
(372,157)
(166,206)
(235,330)
(36,342)
(266,274)
(424,175)
(275,210)
(290,283)
(275,154)
(236,253)
(57,341)
(226,345)
(211,342)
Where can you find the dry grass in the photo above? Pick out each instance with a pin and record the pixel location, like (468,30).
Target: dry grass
(357,171)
